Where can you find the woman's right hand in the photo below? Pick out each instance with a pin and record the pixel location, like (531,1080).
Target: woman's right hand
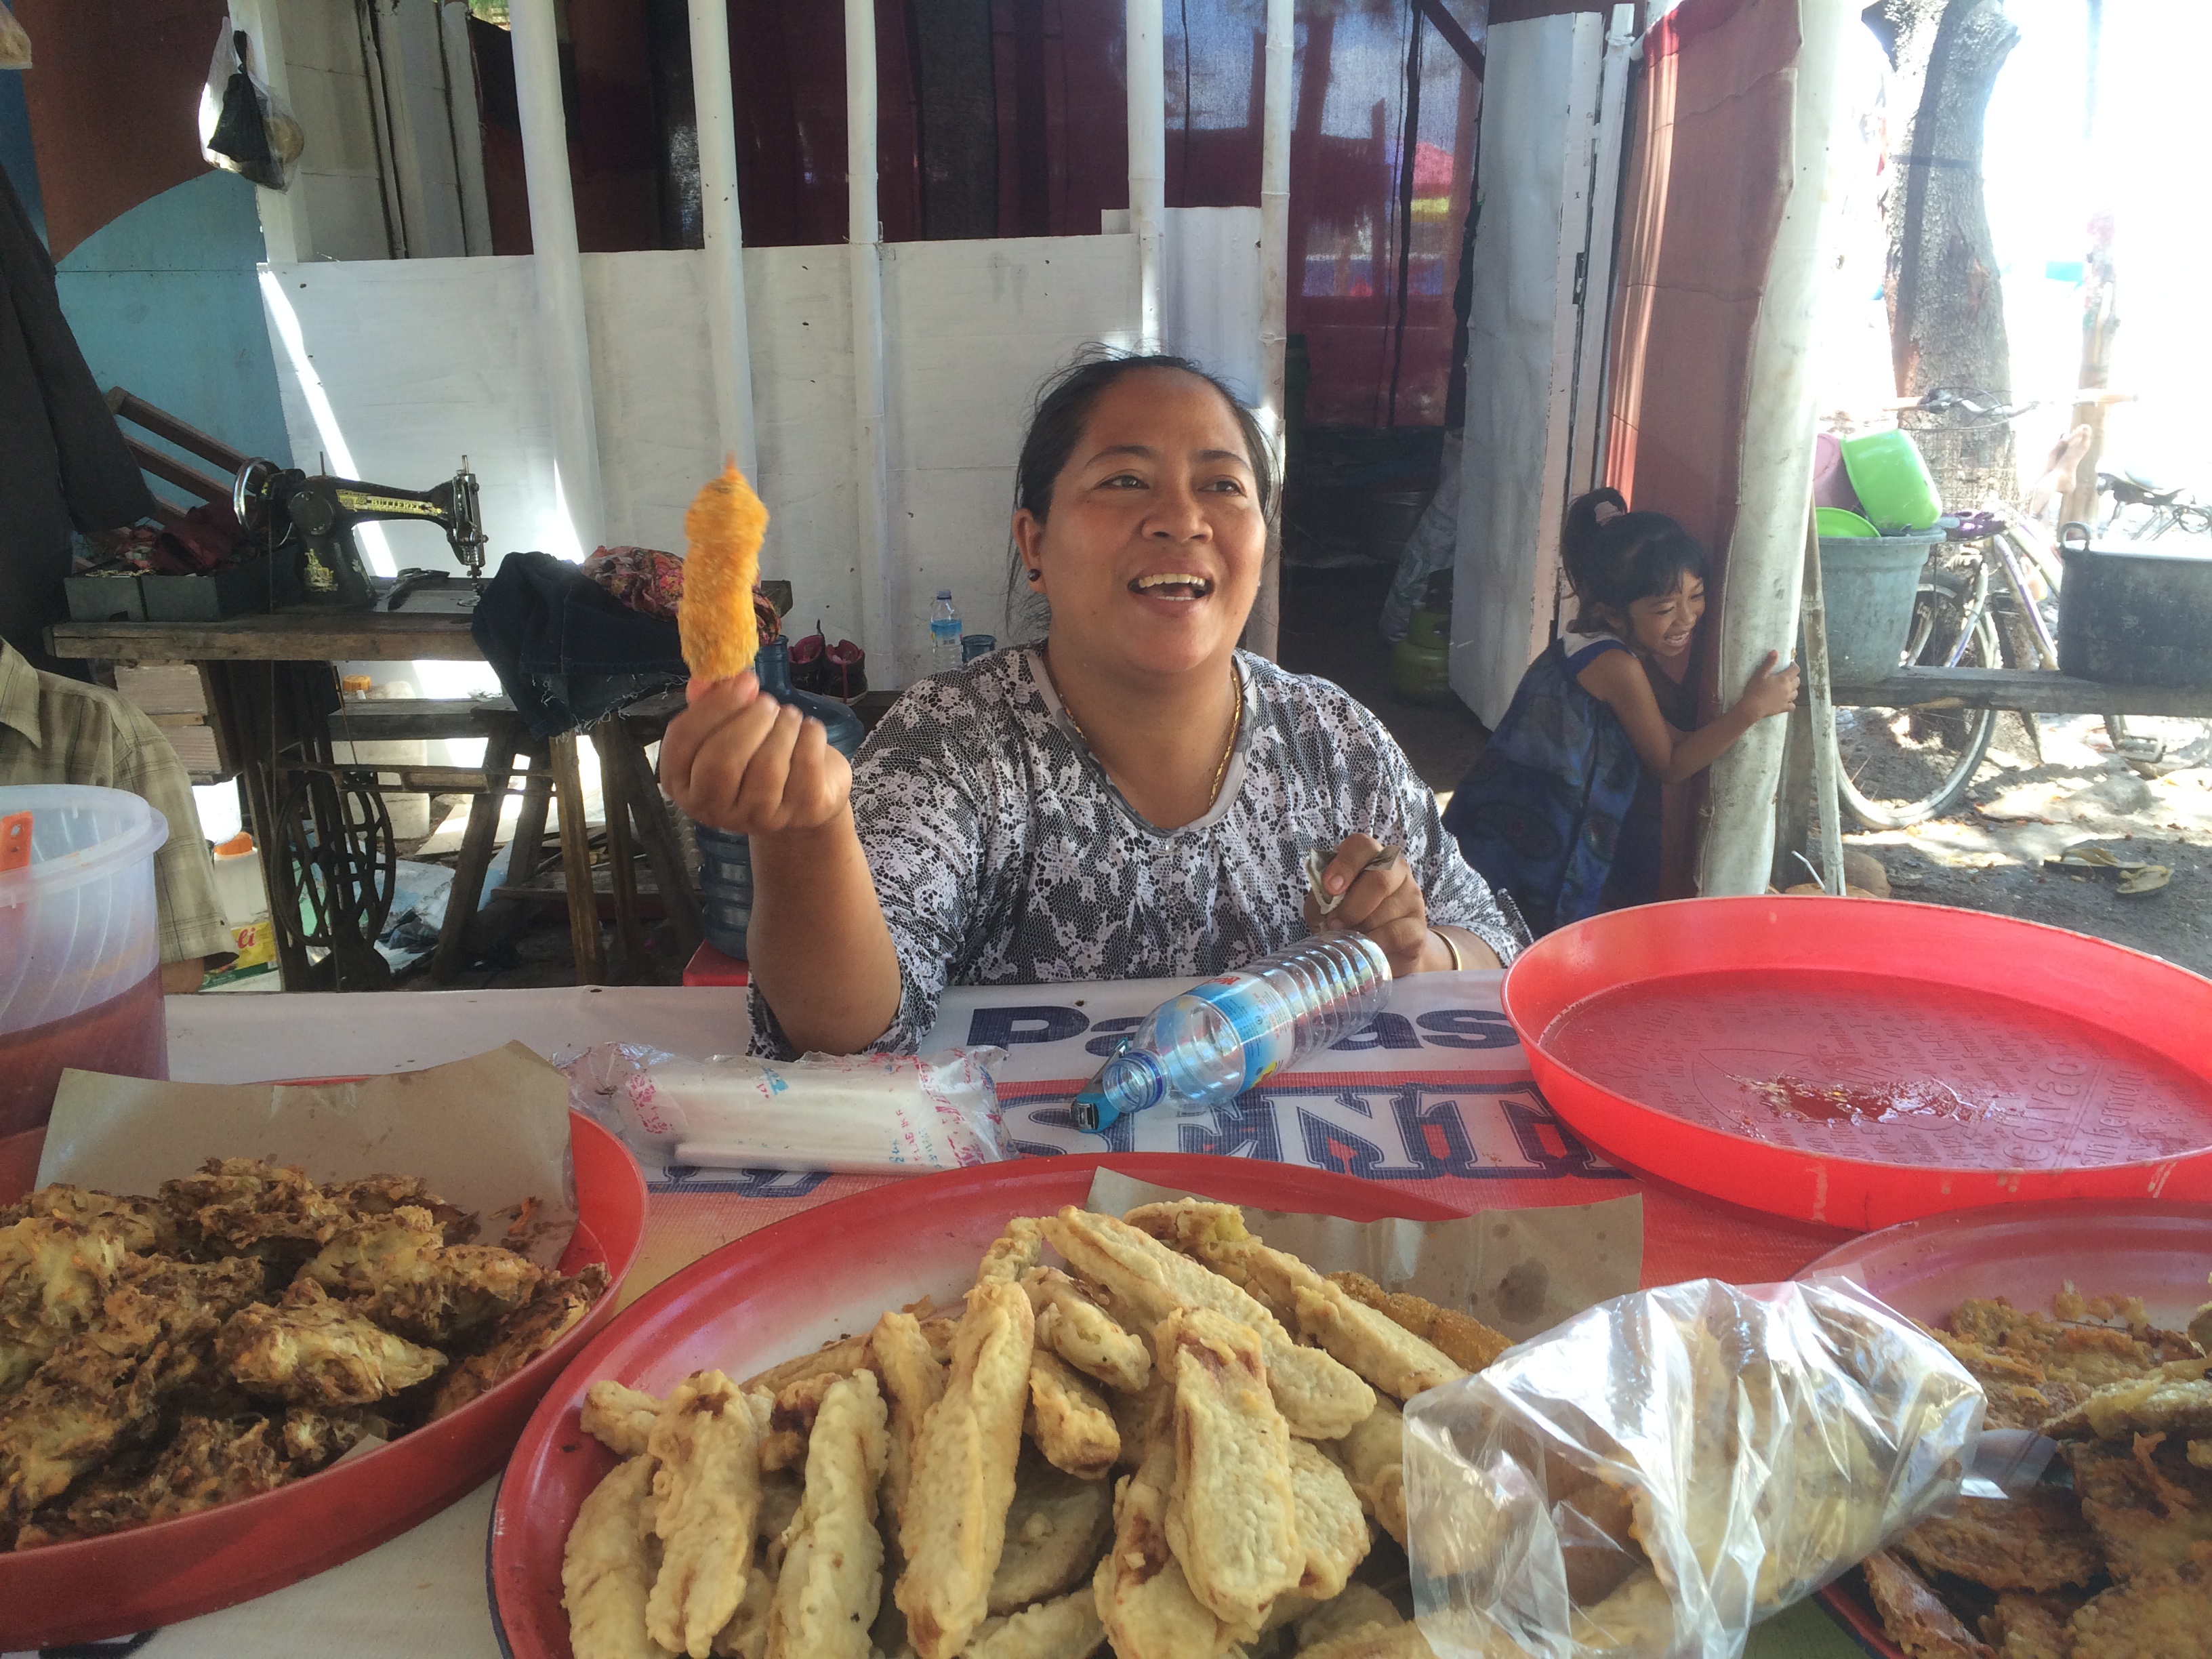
(1771,690)
(739,761)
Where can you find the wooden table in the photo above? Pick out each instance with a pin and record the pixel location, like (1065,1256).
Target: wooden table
(2027,690)
(272,692)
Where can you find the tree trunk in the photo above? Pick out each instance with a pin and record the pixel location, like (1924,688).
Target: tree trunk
(1946,326)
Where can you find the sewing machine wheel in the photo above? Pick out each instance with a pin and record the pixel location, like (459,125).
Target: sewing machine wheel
(249,495)
(337,835)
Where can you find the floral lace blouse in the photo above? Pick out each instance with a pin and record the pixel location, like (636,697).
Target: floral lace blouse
(1003,854)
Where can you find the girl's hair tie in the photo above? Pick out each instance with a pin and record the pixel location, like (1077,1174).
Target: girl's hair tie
(1604,511)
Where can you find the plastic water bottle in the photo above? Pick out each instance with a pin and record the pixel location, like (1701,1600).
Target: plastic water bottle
(1207,1046)
(944,633)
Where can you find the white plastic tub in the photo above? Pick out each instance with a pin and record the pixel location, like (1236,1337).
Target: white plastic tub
(80,946)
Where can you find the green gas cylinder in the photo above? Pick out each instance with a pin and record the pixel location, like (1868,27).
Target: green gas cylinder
(1420,662)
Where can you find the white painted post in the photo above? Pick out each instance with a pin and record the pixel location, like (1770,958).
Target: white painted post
(1264,632)
(560,273)
(882,619)
(714,102)
(1759,610)
(1148,158)
(468,126)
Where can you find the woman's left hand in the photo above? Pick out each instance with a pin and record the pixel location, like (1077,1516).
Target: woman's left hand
(1385,904)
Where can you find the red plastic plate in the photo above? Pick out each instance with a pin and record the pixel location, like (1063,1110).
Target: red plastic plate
(173,1570)
(1858,1062)
(819,1275)
(2025,1253)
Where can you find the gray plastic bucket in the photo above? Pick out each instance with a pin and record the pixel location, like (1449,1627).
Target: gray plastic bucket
(1868,584)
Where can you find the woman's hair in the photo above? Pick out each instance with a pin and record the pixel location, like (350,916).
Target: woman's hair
(1063,408)
(1614,558)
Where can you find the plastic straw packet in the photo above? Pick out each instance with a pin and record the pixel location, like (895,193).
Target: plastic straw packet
(1653,1476)
(851,1115)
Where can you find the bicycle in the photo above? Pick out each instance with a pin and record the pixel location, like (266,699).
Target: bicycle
(1987,599)
(2143,511)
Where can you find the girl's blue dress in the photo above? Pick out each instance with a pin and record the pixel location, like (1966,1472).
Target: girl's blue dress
(1540,814)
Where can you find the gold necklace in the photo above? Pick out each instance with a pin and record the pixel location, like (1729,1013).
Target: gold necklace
(1235,724)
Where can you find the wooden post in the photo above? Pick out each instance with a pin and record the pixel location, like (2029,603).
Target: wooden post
(576,864)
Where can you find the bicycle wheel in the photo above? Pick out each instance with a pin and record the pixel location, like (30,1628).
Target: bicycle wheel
(1900,766)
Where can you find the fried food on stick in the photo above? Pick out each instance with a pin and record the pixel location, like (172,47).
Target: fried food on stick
(1332,1528)
(913,1382)
(723,529)
(316,1351)
(1463,1338)
(832,1578)
(1054,1530)
(1232,1515)
(1146,1281)
(706,1484)
(618,1417)
(1066,1628)
(955,1525)
(607,1569)
(1373,1458)
(1140,1593)
(1070,1424)
(1084,1333)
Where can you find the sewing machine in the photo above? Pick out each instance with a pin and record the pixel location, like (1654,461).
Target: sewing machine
(312,520)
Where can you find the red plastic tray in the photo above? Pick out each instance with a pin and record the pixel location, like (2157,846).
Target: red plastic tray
(1991,1060)
(173,1570)
(818,1275)
(2024,1253)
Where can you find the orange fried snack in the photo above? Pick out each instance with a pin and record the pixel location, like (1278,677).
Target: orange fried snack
(723,528)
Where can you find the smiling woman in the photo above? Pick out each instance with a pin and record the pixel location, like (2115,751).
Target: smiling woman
(1129,796)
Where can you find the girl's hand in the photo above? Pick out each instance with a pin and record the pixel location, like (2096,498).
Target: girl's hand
(737,761)
(1385,904)
(1771,690)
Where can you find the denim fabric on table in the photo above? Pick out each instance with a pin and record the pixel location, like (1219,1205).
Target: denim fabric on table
(567,651)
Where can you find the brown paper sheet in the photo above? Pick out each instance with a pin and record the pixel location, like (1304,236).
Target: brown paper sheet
(486,1133)
(1519,1271)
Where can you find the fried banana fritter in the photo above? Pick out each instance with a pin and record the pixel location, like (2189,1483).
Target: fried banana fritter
(955,1526)
(1070,1424)
(2036,1542)
(706,1487)
(831,1581)
(608,1566)
(1463,1338)
(515,1338)
(1914,1616)
(913,1382)
(1146,1281)
(620,1419)
(1374,1640)
(1055,1527)
(1332,1528)
(1372,1457)
(316,1351)
(1232,1515)
(1084,1333)
(1068,1628)
(1141,1594)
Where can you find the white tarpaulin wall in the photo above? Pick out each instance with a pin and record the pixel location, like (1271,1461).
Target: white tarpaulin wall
(393,369)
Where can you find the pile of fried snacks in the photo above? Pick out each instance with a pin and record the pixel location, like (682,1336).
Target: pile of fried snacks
(2117,1565)
(1170,1439)
(238,1330)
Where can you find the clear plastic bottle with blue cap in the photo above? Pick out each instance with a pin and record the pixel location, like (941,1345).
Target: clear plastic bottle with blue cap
(943,633)
(1207,1046)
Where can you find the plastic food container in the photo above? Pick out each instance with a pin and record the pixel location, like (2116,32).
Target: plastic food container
(2134,615)
(80,950)
(1895,488)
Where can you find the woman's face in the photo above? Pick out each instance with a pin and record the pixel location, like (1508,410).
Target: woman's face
(1664,625)
(1152,552)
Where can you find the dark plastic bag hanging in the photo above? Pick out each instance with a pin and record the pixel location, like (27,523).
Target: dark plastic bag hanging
(243,128)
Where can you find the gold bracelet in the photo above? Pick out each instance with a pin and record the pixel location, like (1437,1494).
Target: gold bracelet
(1452,945)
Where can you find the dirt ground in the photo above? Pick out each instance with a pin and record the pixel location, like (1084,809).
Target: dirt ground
(1989,854)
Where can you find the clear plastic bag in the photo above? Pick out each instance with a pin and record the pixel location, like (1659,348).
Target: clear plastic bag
(244,128)
(851,1115)
(1658,1473)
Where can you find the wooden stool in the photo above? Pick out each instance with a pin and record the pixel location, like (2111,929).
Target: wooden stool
(637,819)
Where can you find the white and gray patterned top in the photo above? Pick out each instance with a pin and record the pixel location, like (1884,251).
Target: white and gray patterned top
(1003,854)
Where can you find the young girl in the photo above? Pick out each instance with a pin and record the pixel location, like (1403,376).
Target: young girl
(1562,809)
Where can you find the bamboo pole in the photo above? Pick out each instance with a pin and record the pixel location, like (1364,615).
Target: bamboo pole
(882,610)
(1263,633)
(728,341)
(1828,766)
(1148,158)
